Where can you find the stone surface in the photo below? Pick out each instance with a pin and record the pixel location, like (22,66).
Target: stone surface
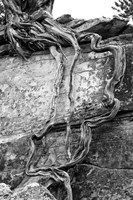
(32,191)
(93,183)
(105,27)
(111,145)
(26,89)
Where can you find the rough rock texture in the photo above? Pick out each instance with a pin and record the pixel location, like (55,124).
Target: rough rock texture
(26,89)
(29,192)
(90,182)
(105,27)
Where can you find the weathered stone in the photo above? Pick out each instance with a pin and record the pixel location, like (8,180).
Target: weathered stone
(14,155)
(26,93)
(32,191)
(65,19)
(5,191)
(111,145)
(90,182)
(26,89)
(105,27)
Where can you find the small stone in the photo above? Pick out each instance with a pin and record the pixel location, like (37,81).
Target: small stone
(4,190)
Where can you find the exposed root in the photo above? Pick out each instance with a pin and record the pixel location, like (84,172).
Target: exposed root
(86,126)
(36,31)
(58,79)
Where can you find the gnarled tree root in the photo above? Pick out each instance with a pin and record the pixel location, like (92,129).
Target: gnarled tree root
(86,126)
(38,31)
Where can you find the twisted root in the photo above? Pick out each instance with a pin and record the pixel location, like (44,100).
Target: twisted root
(32,35)
(87,125)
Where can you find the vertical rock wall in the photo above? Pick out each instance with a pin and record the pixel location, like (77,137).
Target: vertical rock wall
(26,91)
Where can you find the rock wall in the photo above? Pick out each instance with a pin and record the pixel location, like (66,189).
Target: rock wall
(26,91)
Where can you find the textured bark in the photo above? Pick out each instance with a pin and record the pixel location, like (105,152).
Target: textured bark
(53,111)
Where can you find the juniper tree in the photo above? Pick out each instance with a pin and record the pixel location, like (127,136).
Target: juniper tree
(2,13)
(124,8)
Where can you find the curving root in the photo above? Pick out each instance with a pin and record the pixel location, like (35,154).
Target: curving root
(38,31)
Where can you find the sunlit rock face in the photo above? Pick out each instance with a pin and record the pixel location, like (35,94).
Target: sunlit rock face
(26,93)
(30,191)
